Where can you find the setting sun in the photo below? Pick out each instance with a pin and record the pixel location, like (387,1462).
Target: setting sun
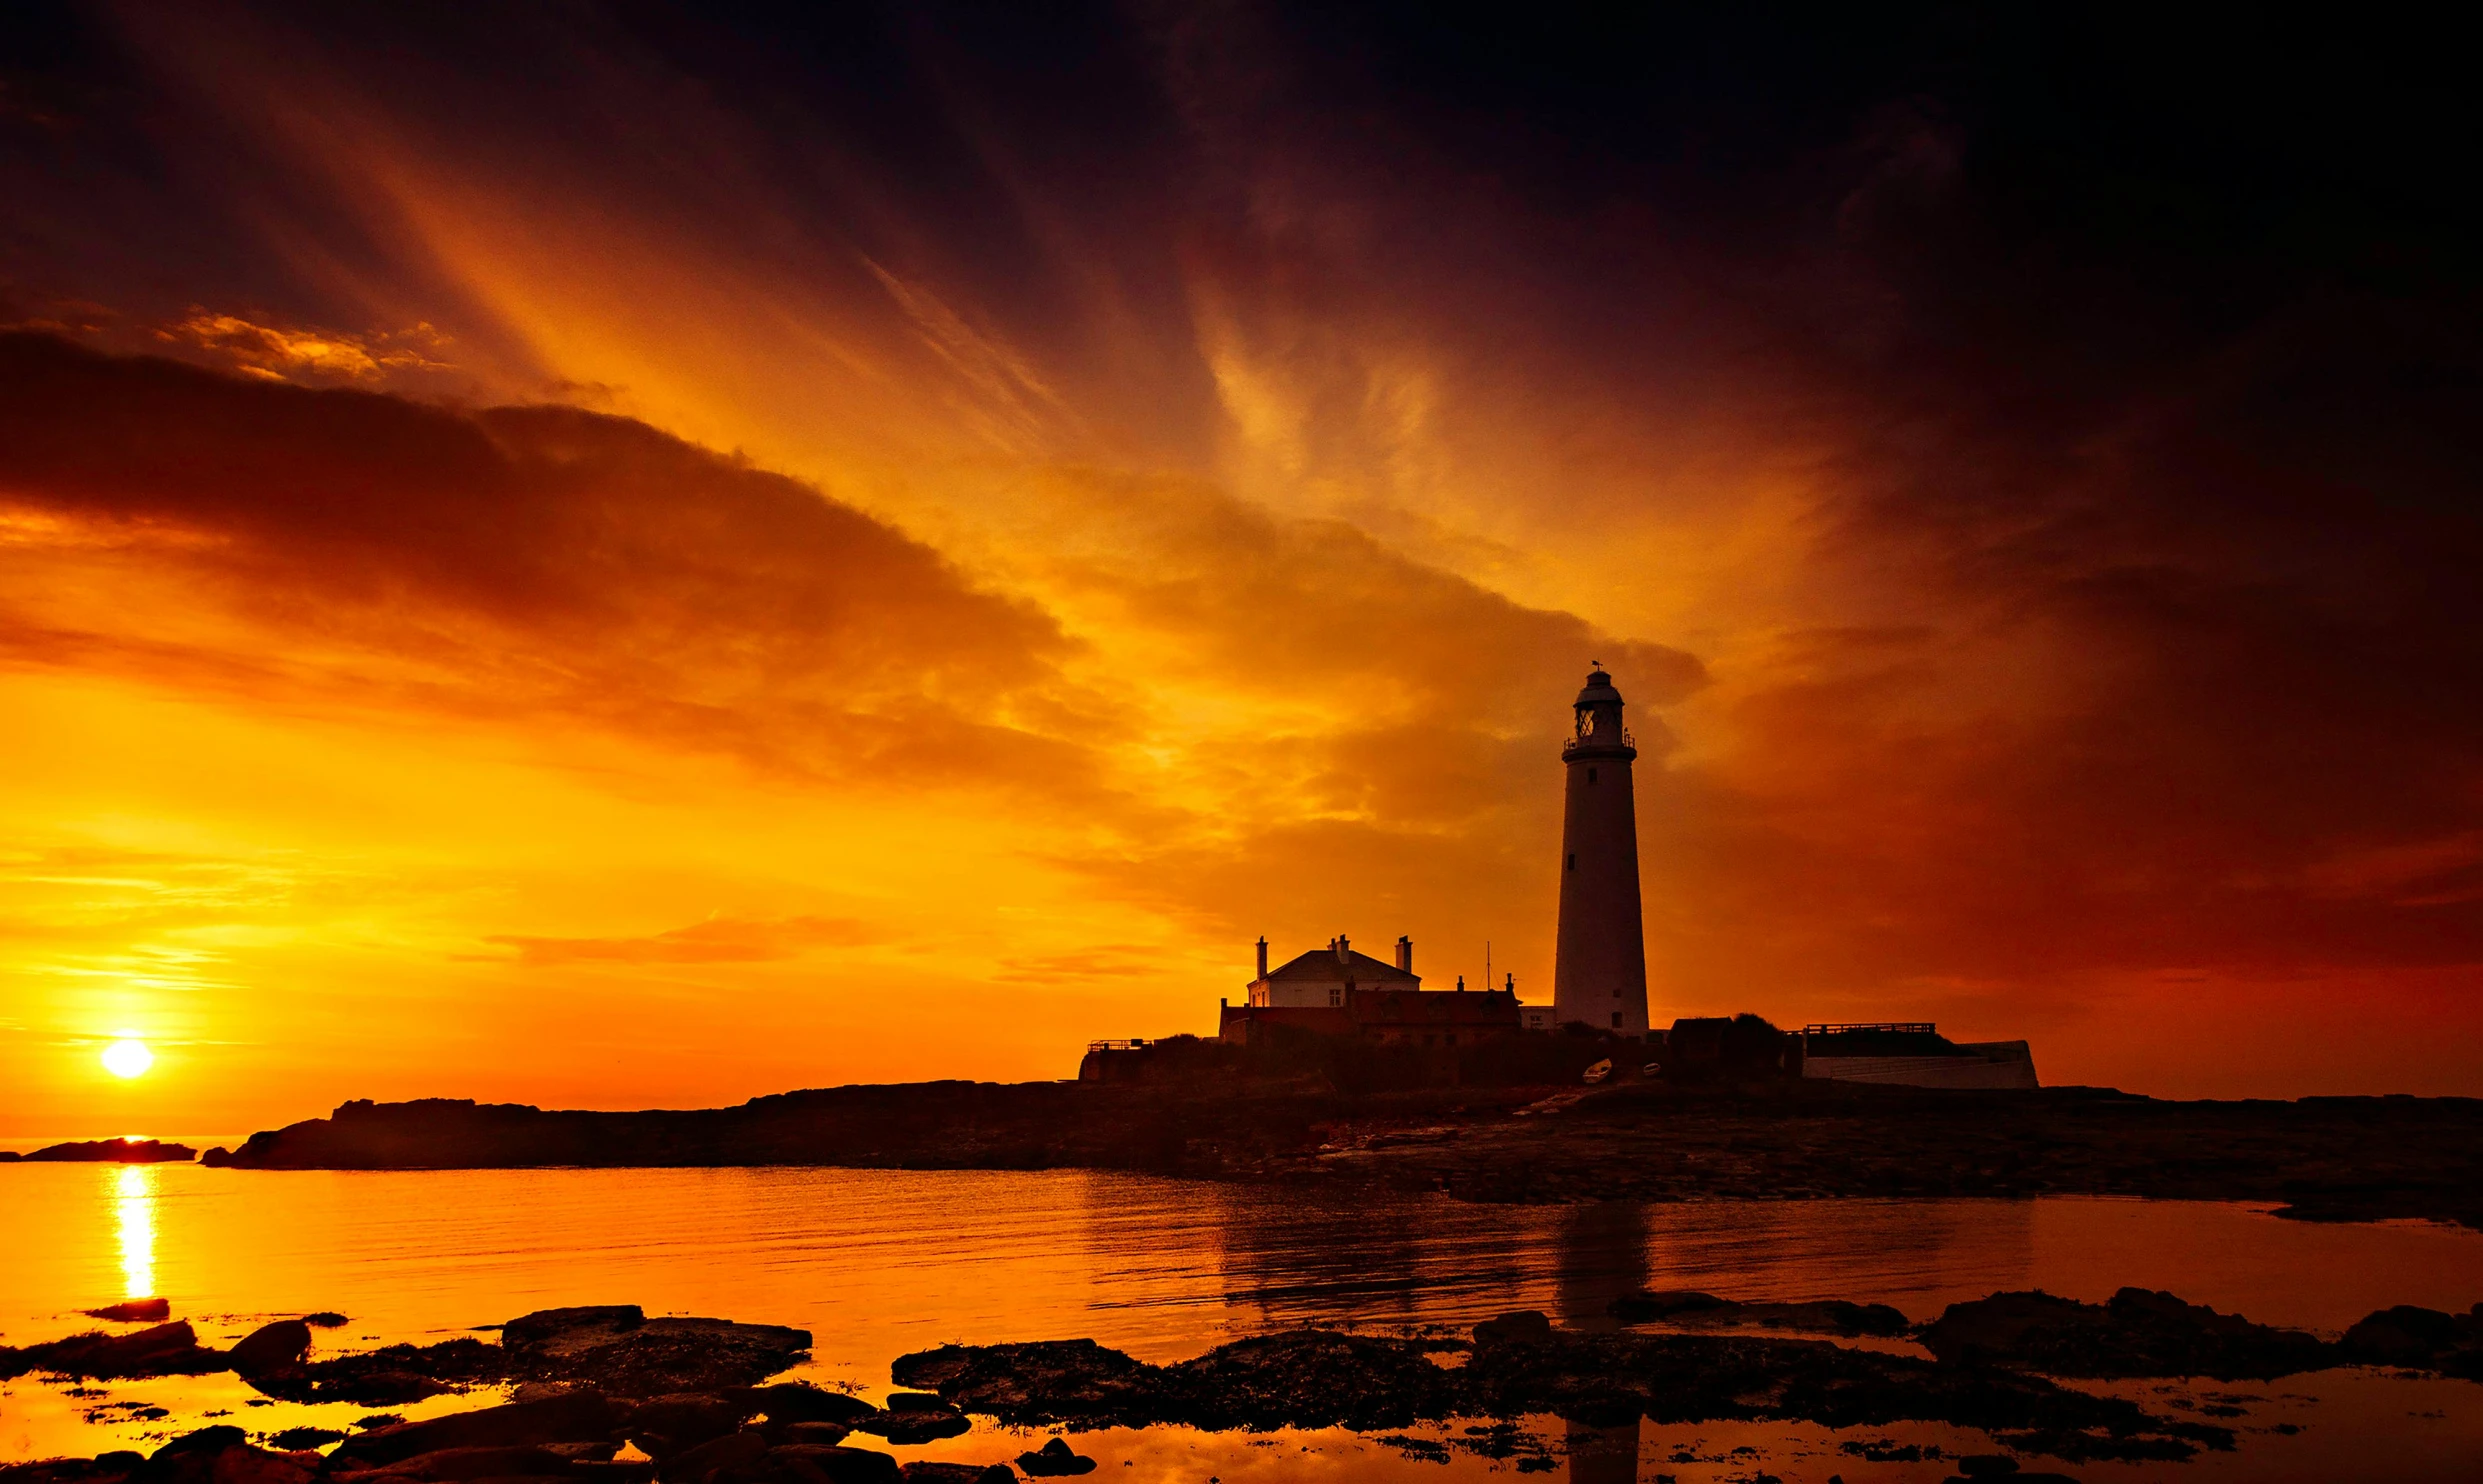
(127,1058)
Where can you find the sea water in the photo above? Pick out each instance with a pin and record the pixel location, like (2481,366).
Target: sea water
(876,1263)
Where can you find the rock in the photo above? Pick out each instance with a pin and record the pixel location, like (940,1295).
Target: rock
(164,1350)
(460,1464)
(666,1425)
(733,1450)
(1037,1381)
(135,1311)
(546,1326)
(390,1376)
(577,1416)
(1986,1465)
(837,1465)
(794,1401)
(1705,1310)
(1317,1379)
(1663,1304)
(2408,1336)
(1523,1326)
(611,1470)
(206,1441)
(325,1319)
(271,1347)
(597,1452)
(916,1401)
(296,1439)
(616,1347)
(916,1426)
(105,1469)
(1054,1460)
(958,1473)
(817,1434)
(2138,1333)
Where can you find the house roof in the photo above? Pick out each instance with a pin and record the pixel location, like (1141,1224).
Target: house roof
(1323,964)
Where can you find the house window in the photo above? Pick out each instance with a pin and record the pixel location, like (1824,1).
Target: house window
(1336,995)
(1616,1020)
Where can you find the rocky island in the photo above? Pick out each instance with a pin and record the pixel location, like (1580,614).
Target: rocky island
(107,1151)
(2342,1158)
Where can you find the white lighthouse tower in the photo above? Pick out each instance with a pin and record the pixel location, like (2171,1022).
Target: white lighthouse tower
(1600,973)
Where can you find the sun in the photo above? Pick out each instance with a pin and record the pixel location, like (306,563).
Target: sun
(127,1058)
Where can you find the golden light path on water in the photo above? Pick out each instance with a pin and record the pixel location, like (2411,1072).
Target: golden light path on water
(134,1202)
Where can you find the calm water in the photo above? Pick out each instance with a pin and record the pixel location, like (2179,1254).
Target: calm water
(876,1263)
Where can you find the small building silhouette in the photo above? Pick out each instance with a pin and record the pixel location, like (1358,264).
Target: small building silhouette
(1337,991)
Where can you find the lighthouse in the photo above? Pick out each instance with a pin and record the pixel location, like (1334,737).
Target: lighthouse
(1599,975)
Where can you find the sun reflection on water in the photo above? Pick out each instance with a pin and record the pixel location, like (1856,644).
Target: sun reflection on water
(134,1200)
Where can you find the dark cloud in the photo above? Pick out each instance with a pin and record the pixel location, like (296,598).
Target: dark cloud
(512,558)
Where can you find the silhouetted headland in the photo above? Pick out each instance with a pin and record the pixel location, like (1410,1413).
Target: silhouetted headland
(109,1151)
(2329,1158)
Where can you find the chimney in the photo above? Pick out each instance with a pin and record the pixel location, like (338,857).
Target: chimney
(1263,955)
(1512,984)
(1405,953)
(1342,948)
(1461,984)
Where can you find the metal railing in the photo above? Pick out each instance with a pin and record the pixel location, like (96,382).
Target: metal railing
(1576,742)
(1902,1027)
(1133,1045)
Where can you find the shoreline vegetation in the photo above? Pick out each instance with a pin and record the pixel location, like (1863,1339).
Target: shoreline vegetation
(2318,1159)
(693,1400)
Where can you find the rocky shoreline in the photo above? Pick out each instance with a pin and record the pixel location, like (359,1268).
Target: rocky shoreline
(608,1394)
(2321,1159)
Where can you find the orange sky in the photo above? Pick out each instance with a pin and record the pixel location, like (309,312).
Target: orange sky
(645,583)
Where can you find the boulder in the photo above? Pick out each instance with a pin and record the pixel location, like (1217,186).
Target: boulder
(271,1348)
(1663,1303)
(546,1327)
(617,1348)
(1037,1381)
(1986,1465)
(916,1401)
(927,1472)
(221,1455)
(2138,1333)
(2409,1336)
(135,1311)
(679,1421)
(732,1451)
(461,1464)
(837,1465)
(1520,1327)
(571,1417)
(1054,1460)
(818,1434)
(1695,1310)
(792,1401)
(105,1468)
(296,1439)
(916,1426)
(164,1350)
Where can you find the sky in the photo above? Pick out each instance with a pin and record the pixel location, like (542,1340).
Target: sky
(627,555)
